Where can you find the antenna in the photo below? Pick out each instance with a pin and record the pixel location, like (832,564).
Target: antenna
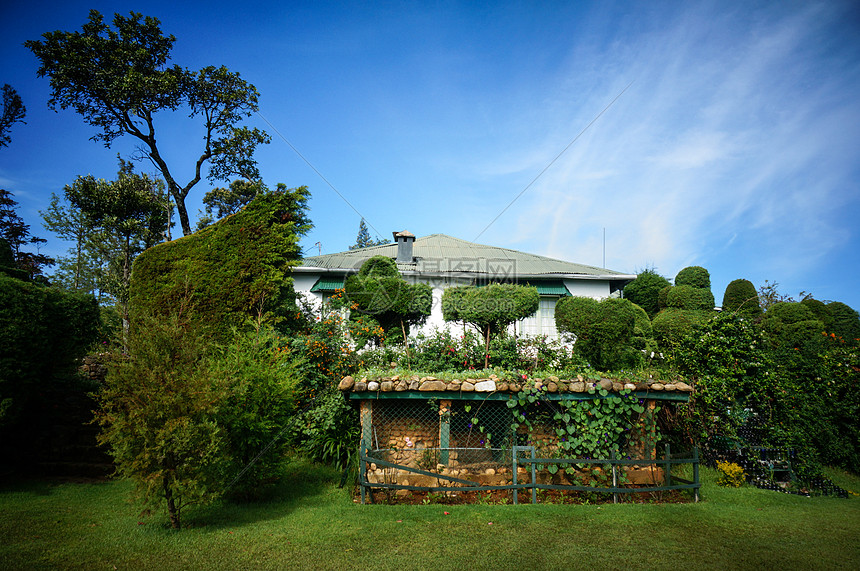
(604,246)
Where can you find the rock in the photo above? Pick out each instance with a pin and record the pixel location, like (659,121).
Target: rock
(669,387)
(617,387)
(360,387)
(605,384)
(490,472)
(452,387)
(562,386)
(413,385)
(502,387)
(400,386)
(346,383)
(642,386)
(395,378)
(553,379)
(467,387)
(387,386)
(630,386)
(577,387)
(432,386)
(487,386)
(514,387)
(373,386)
(656,386)
(428,379)
(683,387)
(455,383)
(552,387)
(393,365)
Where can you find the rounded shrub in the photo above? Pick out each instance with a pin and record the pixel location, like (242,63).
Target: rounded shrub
(741,297)
(662,298)
(690,298)
(604,330)
(844,321)
(644,291)
(671,325)
(695,276)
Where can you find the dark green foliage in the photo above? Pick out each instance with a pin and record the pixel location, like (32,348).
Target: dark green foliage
(261,379)
(644,291)
(489,309)
(16,234)
(379,292)
(13,112)
(690,298)
(727,361)
(230,270)
(792,326)
(329,432)
(663,297)
(741,297)
(158,413)
(695,276)
(43,333)
(643,333)
(604,330)
(672,324)
(844,321)
(819,309)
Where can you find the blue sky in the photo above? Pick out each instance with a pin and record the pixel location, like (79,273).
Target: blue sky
(735,147)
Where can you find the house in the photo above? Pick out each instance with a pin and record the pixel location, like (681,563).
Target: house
(443,261)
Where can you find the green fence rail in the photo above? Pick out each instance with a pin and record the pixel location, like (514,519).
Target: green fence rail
(608,465)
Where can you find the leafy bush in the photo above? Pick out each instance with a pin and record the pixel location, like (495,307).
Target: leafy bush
(328,432)
(663,297)
(232,269)
(690,298)
(644,291)
(694,276)
(261,379)
(604,330)
(378,292)
(158,413)
(671,325)
(44,332)
(490,309)
(741,297)
(844,321)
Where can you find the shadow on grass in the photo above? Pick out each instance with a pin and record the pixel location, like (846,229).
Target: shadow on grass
(304,482)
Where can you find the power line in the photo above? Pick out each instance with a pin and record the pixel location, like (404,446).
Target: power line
(319,174)
(558,156)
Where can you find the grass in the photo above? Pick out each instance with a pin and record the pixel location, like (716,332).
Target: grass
(314,525)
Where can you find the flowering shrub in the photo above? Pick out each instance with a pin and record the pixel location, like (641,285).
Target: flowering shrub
(732,475)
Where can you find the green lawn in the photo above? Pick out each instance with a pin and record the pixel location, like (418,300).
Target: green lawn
(315,525)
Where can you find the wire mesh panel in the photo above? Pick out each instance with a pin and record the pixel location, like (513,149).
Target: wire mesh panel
(438,444)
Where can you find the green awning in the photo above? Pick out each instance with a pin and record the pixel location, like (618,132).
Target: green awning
(328,284)
(547,287)
(552,288)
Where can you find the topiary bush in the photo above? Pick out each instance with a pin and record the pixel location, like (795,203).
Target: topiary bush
(695,276)
(237,267)
(741,297)
(844,321)
(378,296)
(645,290)
(690,298)
(671,325)
(603,330)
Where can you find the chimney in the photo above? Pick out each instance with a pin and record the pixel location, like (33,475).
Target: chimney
(404,242)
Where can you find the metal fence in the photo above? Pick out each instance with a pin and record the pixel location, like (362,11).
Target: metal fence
(438,445)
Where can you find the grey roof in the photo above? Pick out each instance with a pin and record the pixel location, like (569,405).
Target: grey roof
(442,255)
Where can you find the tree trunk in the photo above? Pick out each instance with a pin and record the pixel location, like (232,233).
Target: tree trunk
(172,512)
(487,348)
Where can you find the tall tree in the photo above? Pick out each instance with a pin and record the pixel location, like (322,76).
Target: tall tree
(17,234)
(131,212)
(118,80)
(81,269)
(363,239)
(13,112)
(645,289)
